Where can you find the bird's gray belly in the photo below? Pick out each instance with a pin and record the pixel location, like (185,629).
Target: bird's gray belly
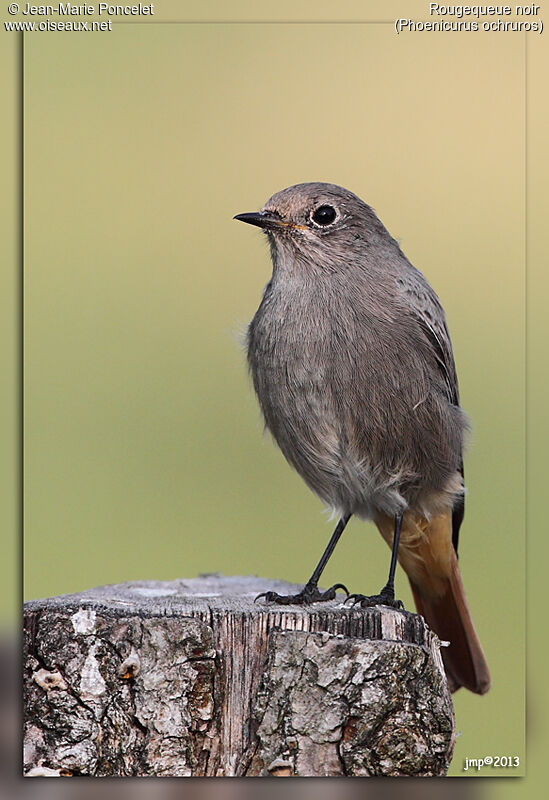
(367,432)
(301,409)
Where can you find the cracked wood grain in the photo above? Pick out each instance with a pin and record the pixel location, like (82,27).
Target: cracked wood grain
(192,678)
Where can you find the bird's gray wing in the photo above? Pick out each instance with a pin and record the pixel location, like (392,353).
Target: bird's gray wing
(425,306)
(427,310)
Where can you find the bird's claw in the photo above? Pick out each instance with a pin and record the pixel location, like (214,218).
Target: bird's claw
(309,594)
(367,601)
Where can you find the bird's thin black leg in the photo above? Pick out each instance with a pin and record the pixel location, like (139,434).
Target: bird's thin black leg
(310,592)
(389,588)
(386,597)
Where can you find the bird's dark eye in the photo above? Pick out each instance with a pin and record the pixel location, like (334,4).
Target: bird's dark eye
(324,215)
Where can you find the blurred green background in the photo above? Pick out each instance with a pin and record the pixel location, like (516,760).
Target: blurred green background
(144,454)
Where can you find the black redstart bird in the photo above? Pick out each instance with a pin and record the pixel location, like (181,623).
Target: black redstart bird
(353,367)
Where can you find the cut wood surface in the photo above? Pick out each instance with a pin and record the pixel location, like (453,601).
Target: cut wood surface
(192,677)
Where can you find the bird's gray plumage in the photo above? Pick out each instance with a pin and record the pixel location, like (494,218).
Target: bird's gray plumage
(352,362)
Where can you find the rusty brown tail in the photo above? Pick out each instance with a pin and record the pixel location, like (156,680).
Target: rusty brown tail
(428,557)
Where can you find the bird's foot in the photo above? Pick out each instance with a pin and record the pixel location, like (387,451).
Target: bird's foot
(384,598)
(309,594)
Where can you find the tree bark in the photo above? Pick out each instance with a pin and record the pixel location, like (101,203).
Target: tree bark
(192,677)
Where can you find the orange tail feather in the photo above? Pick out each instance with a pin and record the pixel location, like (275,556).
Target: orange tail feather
(430,562)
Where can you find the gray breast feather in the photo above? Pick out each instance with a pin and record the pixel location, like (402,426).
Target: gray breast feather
(358,422)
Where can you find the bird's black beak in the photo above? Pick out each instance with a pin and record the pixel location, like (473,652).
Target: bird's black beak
(263,219)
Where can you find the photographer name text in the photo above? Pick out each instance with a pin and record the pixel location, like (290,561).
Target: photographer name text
(84,10)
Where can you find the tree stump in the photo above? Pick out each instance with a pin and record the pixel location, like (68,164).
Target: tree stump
(193,678)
